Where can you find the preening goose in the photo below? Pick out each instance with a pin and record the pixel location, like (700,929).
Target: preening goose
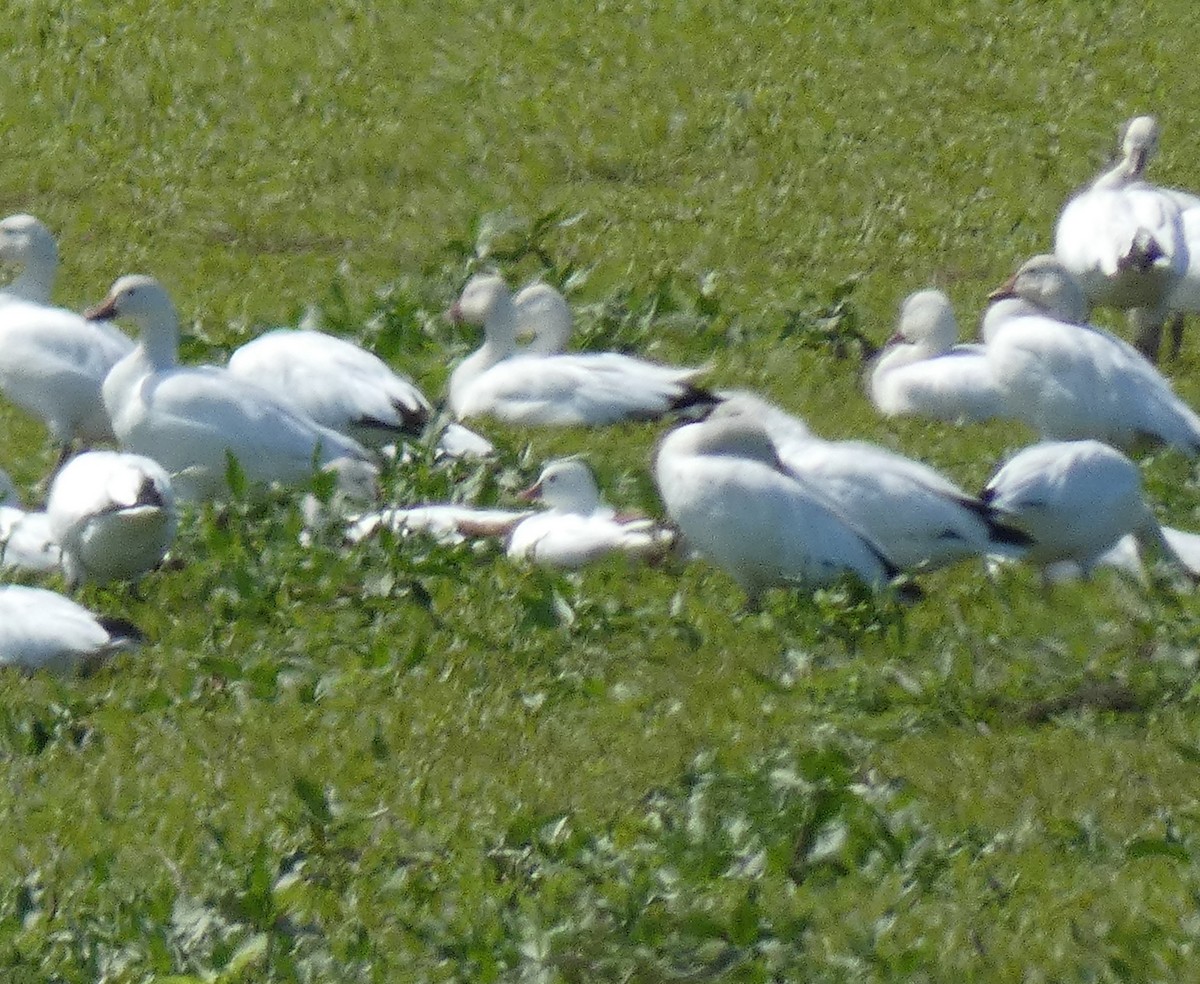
(189,419)
(337,383)
(1069,380)
(1124,240)
(577,527)
(923,372)
(1075,500)
(43,630)
(723,485)
(582,388)
(915,515)
(113,515)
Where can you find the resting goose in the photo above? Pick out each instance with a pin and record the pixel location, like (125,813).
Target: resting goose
(723,485)
(113,515)
(1075,500)
(52,361)
(337,383)
(581,388)
(577,527)
(190,419)
(915,515)
(1069,380)
(1124,240)
(26,542)
(922,372)
(43,630)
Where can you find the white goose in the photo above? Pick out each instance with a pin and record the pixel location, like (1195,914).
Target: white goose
(578,528)
(52,361)
(337,383)
(26,542)
(27,244)
(113,514)
(923,372)
(1124,239)
(189,419)
(723,485)
(914,514)
(444,521)
(40,629)
(1068,380)
(1075,500)
(581,388)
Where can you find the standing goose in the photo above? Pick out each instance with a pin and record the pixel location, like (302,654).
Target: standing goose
(581,388)
(43,630)
(1124,240)
(915,515)
(577,527)
(113,515)
(923,372)
(52,361)
(734,501)
(190,419)
(1068,380)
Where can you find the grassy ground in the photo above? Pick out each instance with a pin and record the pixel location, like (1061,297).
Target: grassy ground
(415,763)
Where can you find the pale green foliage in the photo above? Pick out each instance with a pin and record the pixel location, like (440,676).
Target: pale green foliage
(413,762)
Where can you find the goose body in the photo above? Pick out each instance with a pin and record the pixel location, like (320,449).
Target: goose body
(1075,500)
(189,419)
(723,485)
(337,383)
(446,522)
(914,514)
(1070,381)
(1124,239)
(923,372)
(577,527)
(563,390)
(40,629)
(113,515)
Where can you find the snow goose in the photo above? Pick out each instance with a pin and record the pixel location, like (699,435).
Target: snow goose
(1069,380)
(190,419)
(1075,500)
(914,514)
(113,514)
(40,629)
(337,383)
(446,522)
(577,527)
(543,319)
(28,245)
(924,373)
(723,485)
(581,388)
(52,361)
(1124,238)
(26,543)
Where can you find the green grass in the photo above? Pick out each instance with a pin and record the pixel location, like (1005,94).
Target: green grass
(409,762)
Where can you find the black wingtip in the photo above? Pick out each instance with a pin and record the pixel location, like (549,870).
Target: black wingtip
(695,399)
(121,630)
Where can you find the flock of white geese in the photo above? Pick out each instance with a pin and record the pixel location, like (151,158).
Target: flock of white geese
(743,483)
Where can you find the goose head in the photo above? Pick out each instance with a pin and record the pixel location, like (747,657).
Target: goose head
(139,298)
(567,485)
(484,297)
(26,243)
(1043,282)
(926,322)
(543,313)
(1139,142)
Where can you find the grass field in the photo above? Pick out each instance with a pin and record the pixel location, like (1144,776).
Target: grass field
(411,762)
